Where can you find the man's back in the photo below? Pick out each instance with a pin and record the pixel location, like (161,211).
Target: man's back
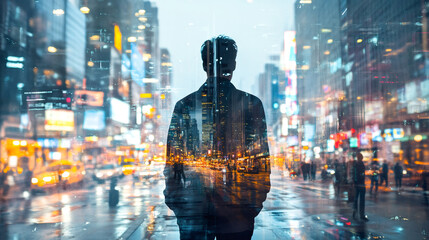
(230,124)
(359,173)
(208,129)
(218,128)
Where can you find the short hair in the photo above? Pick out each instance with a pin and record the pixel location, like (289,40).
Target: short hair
(226,52)
(359,156)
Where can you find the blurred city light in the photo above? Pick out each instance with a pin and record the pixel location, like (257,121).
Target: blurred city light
(85,10)
(418,138)
(58,12)
(95,37)
(52,49)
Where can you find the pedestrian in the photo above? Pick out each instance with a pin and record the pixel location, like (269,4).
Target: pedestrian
(2,179)
(359,183)
(307,170)
(313,169)
(304,171)
(425,186)
(398,171)
(384,176)
(181,172)
(176,169)
(113,192)
(27,178)
(324,173)
(338,177)
(6,180)
(375,172)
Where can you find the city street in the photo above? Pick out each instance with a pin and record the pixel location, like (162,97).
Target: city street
(293,210)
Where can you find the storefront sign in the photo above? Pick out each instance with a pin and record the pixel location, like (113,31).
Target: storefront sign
(59,120)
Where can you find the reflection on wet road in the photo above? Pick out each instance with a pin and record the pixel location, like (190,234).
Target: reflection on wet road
(80,213)
(293,210)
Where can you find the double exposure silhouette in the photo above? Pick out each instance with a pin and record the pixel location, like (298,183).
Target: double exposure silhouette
(218,136)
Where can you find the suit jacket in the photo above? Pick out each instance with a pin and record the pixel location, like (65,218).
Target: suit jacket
(218,124)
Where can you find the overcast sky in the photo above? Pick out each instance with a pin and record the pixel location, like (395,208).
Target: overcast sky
(256,25)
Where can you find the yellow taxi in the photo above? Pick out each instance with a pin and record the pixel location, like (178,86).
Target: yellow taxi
(128,166)
(61,172)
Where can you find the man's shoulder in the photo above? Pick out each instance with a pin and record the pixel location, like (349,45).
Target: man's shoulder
(248,96)
(190,98)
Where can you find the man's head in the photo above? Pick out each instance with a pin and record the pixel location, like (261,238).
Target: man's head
(220,52)
(359,156)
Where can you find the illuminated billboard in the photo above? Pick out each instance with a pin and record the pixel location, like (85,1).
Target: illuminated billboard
(330,145)
(126,67)
(120,111)
(89,98)
(288,65)
(94,120)
(373,111)
(292,141)
(288,60)
(137,64)
(118,38)
(285,126)
(59,120)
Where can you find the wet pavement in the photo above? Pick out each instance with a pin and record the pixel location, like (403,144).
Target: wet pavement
(294,209)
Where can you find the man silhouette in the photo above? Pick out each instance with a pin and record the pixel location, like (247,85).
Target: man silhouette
(359,182)
(218,128)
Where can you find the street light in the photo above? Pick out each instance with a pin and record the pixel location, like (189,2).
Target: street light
(52,49)
(85,10)
(58,12)
(132,39)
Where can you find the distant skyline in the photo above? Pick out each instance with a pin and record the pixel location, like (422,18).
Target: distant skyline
(256,25)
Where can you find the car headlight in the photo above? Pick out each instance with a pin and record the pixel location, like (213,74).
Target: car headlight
(47,179)
(34,180)
(99,174)
(109,173)
(65,174)
(404,171)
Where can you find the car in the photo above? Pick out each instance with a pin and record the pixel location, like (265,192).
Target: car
(145,171)
(252,169)
(62,173)
(106,172)
(128,166)
(241,168)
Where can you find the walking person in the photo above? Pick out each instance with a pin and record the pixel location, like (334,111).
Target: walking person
(375,174)
(359,183)
(338,177)
(181,172)
(425,186)
(384,176)
(304,171)
(313,168)
(398,171)
(176,169)
(2,180)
